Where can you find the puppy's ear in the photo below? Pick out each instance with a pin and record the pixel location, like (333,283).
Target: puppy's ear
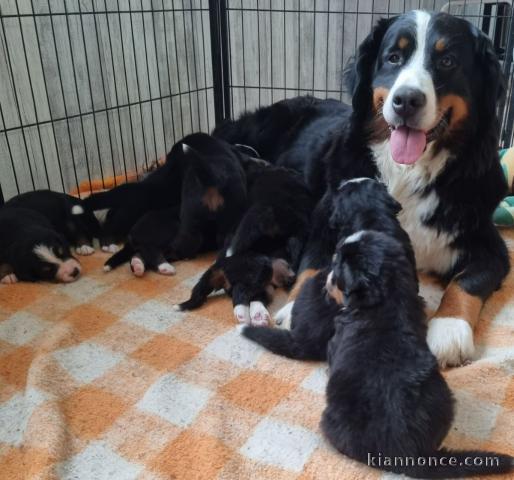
(359,72)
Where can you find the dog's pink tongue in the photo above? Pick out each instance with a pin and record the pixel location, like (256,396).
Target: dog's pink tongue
(407,144)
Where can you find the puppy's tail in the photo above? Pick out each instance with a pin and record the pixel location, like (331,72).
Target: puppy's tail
(207,284)
(119,258)
(453,464)
(277,341)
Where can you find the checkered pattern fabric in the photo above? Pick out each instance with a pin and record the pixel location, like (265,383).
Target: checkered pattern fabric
(101,379)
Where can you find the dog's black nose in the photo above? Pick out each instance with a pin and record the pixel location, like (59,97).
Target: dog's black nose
(75,272)
(407,101)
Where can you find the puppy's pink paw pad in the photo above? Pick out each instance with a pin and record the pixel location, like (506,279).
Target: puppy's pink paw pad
(166,269)
(259,315)
(9,279)
(137,266)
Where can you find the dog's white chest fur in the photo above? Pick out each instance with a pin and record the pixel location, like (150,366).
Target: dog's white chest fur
(405,183)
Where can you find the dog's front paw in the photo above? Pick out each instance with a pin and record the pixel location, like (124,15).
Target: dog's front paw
(259,315)
(450,340)
(9,279)
(137,266)
(85,250)
(111,248)
(166,268)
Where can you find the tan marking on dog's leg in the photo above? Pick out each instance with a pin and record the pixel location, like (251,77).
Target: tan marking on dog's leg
(302,278)
(213,199)
(457,303)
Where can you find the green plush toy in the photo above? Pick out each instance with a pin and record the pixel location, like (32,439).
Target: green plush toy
(504,214)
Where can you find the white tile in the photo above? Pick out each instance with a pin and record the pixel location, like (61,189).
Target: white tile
(235,348)
(154,316)
(84,289)
(87,361)
(21,328)
(280,444)
(473,416)
(97,462)
(15,414)
(317,380)
(176,401)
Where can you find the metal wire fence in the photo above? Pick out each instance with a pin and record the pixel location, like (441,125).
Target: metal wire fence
(100,89)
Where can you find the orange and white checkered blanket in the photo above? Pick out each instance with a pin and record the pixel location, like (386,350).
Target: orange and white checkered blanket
(101,379)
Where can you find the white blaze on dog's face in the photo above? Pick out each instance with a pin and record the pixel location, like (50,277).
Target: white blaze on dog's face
(56,263)
(423,82)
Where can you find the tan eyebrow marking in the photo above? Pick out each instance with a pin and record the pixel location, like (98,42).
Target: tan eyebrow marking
(403,42)
(440,45)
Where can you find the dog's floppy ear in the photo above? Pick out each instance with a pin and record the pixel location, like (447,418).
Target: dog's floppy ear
(359,72)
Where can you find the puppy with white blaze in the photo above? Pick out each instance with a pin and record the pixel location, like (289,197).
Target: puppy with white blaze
(385,396)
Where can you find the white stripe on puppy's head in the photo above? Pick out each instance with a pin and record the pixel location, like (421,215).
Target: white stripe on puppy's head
(68,269)
(354,237)
(46,254)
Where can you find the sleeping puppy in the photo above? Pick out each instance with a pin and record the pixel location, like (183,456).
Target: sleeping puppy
(385,394)
(202,176)
(68,216)
(250,279)
(149,243)
(358,204)
(31,249)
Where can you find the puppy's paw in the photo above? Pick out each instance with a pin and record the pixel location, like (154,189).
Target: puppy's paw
(9,279)
(137,266)
(450,340)
(112,248)
(242,314)
(85,250)
(166,268)
(259,315)
(283,316)
(107,268)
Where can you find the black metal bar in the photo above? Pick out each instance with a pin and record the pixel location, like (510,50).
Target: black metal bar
(168,72)
(508,65)
(220,65)
(2,200)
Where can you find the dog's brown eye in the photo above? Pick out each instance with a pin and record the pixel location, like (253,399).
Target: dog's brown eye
(394,58)
(447,62)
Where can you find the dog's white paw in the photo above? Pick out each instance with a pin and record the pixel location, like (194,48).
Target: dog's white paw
(450,340)
(112,248)
(242,313)
(283,316)
(166,268)
(259,314)
(9,279)
(107,268)
(85,250)
(137,266)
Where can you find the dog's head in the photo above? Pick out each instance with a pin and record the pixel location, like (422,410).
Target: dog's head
(361,195)
(425,77)
(367,267)
(47,257)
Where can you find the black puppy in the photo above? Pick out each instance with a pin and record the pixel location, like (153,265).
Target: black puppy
(31,249)
(68,216)
(359,204)
(250,279)
(202,176)
(278,214)
(385,395)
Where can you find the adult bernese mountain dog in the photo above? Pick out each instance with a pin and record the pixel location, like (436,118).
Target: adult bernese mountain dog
(425,89)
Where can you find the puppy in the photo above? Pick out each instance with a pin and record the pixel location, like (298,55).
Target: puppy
(312,324)
(202,176)
(31,249)
(278,214)
(250,279)
(68,215)
(358,204)
(385,394)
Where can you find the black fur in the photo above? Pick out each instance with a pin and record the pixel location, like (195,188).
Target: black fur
(245,278)
(21,231)
(205,165)
(385,395)
(78,229)
(361,205)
